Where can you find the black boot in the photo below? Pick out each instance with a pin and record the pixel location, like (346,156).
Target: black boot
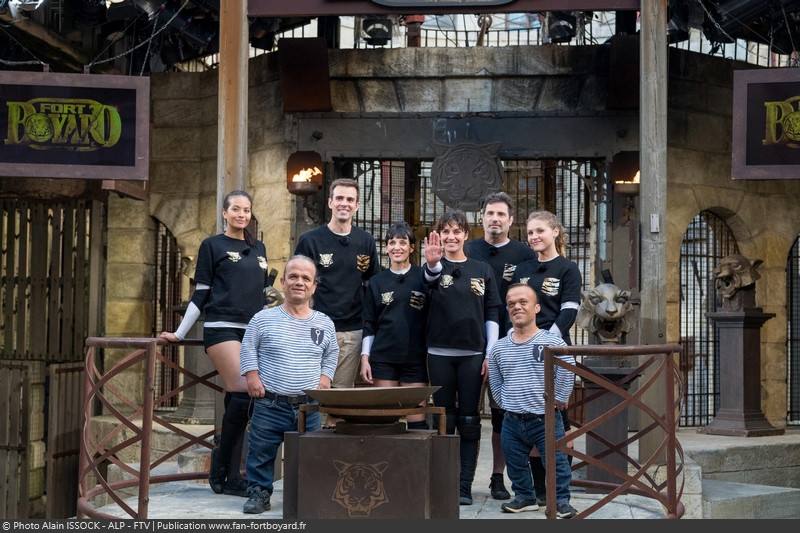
(469,428)
(234,423)
(497,488)
(538,472)
(235,484)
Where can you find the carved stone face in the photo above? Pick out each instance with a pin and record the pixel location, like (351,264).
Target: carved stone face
(607,312)
(734,272)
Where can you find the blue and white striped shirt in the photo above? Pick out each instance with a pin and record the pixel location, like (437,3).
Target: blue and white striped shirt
(289,353)
(516,373)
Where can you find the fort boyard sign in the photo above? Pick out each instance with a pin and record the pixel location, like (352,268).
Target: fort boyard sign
(74,126)
(766,124)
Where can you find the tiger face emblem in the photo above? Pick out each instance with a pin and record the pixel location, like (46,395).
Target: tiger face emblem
(478,286)
(363,262)
(262,262)
(417,300)
(387,297)
(325,260)
(508,272)
(463,173)
(359,488)
(234,256)
(446,281)
(550,286)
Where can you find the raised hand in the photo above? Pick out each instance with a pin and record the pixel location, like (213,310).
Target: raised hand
(433,249)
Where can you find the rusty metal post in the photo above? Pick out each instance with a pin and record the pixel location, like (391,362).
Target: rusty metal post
(549,433)
(147,429)
(669,417)
(86,415)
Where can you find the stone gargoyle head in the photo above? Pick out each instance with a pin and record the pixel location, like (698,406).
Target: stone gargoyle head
(735,272)
(606,311)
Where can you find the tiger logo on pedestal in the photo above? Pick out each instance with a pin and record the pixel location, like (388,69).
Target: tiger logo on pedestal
(359,488)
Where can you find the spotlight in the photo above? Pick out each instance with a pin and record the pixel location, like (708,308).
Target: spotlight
(378,30)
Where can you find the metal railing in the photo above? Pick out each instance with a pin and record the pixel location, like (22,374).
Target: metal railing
(99,386)
(104,449)
(658,364)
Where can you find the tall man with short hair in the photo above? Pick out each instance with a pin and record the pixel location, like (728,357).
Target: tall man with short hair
(503,255)
(286,349)
(346,258)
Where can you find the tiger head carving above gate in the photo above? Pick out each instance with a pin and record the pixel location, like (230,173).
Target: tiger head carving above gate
(464,173)
(359,488)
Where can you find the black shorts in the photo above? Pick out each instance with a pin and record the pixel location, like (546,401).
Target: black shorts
(212,336)
(404,373)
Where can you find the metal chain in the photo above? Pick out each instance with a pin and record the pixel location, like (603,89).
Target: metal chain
(143,42)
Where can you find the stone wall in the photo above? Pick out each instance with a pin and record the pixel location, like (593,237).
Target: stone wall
(761,214)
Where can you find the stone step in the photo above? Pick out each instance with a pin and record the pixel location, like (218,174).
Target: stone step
(727,499)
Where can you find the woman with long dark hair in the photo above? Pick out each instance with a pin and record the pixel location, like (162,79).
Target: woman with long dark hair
(231,277)
(393,350)
(463,324)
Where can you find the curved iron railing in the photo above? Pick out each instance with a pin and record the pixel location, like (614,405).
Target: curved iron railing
(94,453)
(99,386)
(642,482)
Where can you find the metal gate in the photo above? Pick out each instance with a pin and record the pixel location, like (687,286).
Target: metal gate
(63,439)
(706,241)
(166,301)
(14,439)
(793,335)
(46,273)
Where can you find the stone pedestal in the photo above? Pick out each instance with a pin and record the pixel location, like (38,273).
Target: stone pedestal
(615,429)
(740,412)
(412,475)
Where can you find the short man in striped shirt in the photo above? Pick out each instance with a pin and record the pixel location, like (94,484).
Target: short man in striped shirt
(285,350)
(516,376)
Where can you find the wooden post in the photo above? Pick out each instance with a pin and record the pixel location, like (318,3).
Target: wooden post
(653,201)
(232,114)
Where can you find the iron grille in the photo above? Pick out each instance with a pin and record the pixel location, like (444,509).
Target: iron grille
(167,315)
(706,241)
(793,335)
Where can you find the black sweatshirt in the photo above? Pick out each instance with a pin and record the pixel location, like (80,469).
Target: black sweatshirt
(344,263)
(463,298)
(237,275)
(396,313)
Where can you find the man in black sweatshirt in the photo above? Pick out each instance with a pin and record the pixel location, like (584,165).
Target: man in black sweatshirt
(503,255)
(346,259)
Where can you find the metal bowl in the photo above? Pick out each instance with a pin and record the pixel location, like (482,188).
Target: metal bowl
(372,397)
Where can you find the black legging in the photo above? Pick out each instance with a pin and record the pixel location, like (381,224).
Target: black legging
(458,376)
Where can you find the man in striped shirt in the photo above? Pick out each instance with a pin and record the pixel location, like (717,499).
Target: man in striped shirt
(285,350)
(516,376)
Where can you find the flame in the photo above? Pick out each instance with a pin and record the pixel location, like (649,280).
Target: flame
(634,180)
(306,174)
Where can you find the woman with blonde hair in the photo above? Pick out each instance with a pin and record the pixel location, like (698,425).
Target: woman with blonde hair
(558,283)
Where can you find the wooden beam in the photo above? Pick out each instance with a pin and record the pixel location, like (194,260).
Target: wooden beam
(232,114)
(653,202)
(313,8)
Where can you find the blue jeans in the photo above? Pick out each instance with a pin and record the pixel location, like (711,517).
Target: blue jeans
(518,438)
(270,421)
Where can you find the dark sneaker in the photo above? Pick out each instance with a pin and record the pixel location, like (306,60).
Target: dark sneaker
(497,488)
(235,487)
(541,499)
(520,506)
(257,502)
(565,510)
(465,495)
(217,473)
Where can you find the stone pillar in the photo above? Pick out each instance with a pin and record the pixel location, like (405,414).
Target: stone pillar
(740,412)
(130,273)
